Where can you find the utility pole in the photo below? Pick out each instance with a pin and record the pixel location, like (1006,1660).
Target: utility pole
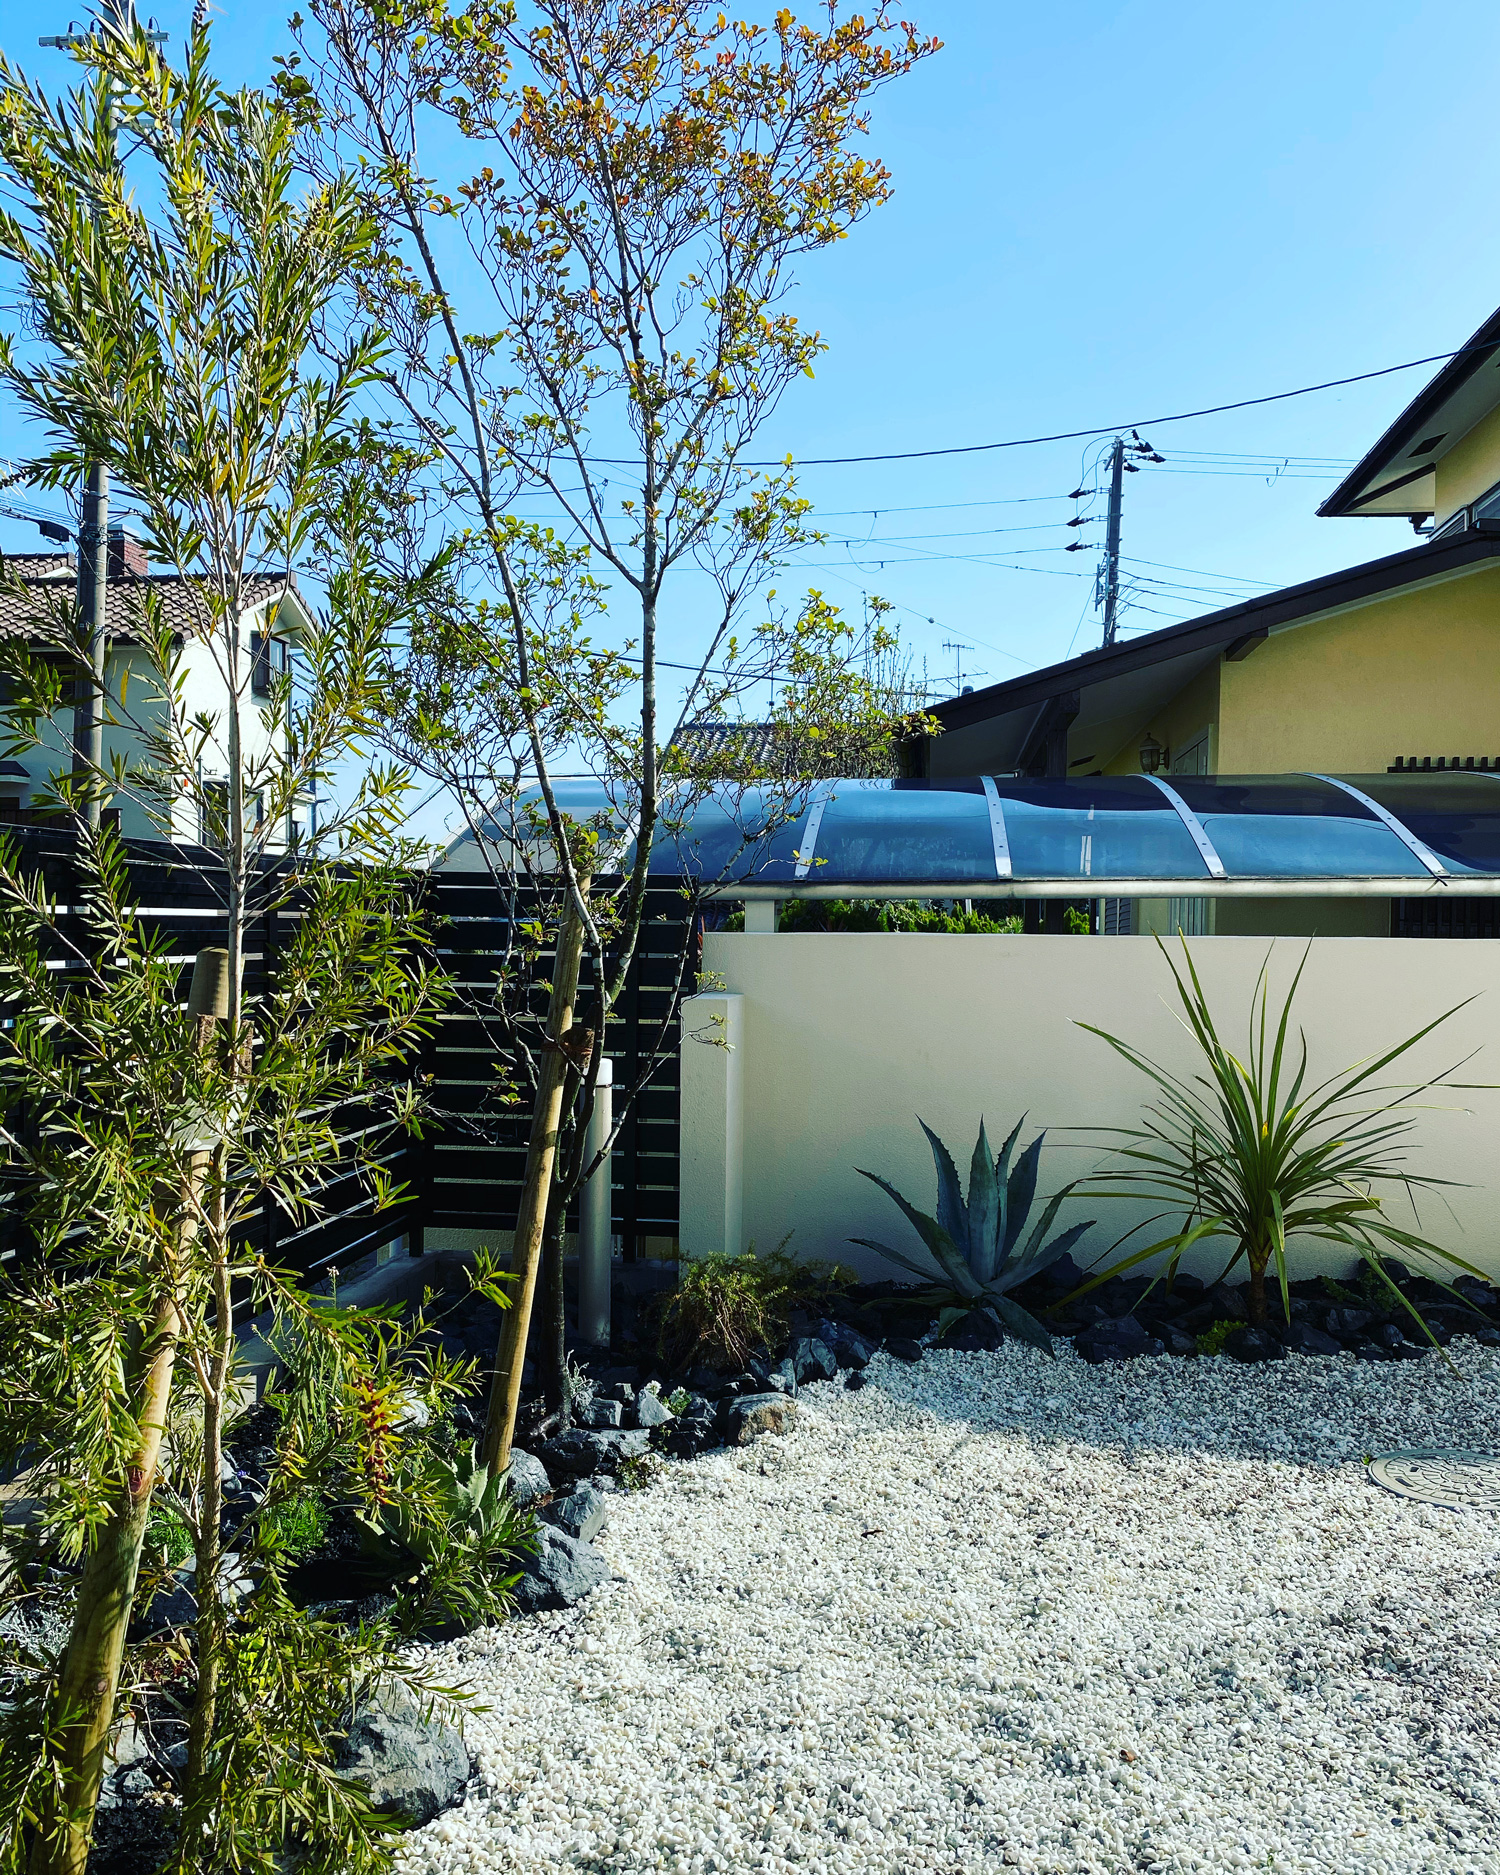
(1120,465)
(1111,569)
(117,16)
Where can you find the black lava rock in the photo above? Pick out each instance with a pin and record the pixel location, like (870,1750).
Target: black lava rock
(409,1765)
(855,1379)
(1253,1344)
(527,1478)
(650,1409)
(1348,1325)
(900,1348)
(812,1359)
(562,1572)
(1303,1338)
(582,1454)
(978,1332)
(850,1348)
(581,1514)
(1123,1339)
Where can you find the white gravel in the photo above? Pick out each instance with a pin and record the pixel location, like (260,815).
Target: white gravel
(1000,1612)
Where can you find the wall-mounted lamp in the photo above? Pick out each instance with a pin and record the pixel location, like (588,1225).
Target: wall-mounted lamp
(1153,755)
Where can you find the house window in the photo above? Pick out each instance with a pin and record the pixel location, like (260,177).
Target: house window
(1117,917)
(269,659)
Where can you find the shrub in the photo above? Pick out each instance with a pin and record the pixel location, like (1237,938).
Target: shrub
(873,914)
(1212,1340)
(726,1307)
(297,1527)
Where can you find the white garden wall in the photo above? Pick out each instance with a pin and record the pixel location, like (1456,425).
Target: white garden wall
(838,1041)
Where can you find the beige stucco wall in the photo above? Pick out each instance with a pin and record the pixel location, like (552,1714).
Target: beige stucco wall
(844,1039)
(1469,469)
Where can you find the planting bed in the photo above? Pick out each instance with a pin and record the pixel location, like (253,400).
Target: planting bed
(995,1611)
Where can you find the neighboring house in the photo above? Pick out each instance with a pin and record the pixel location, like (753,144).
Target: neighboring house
(1393,664)
(35,586)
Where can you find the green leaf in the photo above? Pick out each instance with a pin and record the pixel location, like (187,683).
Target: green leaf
(1022,1324)
(942,1247)
(952,1213)
(984,1210)
(1019,1194)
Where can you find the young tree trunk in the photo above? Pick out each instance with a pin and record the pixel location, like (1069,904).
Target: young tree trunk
(554,1339)
(209,1634)
(90,1675)
(1257,1293)
(91,1665)
(531,1220)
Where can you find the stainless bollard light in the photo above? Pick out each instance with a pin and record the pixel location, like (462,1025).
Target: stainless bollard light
(595,1221)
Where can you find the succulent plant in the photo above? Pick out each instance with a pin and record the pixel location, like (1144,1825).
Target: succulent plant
(980,1244)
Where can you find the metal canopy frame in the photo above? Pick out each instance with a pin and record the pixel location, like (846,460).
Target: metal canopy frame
(1452,885)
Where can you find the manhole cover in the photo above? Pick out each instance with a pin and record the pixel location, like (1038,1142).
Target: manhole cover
(1435,1475)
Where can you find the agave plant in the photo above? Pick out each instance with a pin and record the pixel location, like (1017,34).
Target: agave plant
(980,1244)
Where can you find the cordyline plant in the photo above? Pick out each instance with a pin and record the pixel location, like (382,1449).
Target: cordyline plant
(1253,1151)
(167,299)
(589,305)
(982,1244)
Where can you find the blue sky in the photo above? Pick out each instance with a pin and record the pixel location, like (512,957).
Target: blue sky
(1104,211)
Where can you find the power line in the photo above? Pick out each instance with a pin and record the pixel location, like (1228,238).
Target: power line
(1166,566)
(1096,429)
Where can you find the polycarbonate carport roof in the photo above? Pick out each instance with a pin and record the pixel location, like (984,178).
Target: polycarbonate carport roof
(1110,836)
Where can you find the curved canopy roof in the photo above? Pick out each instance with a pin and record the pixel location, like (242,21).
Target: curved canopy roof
(1117,836)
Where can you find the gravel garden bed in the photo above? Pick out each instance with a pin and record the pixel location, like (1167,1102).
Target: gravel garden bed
(994,1611)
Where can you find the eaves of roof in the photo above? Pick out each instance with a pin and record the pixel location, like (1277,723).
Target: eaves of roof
(1351,495)
(1234,625)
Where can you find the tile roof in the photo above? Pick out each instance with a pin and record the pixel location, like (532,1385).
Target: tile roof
(37,596)
(739,749)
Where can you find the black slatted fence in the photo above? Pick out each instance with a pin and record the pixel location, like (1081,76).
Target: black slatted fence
(476,1152)
(466,1170)
(180,898)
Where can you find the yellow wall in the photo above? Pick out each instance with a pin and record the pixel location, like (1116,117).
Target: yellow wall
(1416,674)
(1470,468)
(1302,917)
(1194,709)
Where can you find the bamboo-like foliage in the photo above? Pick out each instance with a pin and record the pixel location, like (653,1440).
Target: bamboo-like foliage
(1254,1151)
(171,270)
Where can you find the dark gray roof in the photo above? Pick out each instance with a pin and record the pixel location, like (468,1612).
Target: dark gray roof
(38,595)
(987,730)
(1396,476)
